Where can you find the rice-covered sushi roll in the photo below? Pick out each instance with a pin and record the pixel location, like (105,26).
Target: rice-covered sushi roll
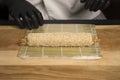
(65,39)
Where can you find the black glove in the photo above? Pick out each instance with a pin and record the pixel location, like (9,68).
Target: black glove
(26,15)
(94,5)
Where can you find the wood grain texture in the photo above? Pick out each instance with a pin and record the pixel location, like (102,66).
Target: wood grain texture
(9,37)
(107,68)
(68,72)
(109,38)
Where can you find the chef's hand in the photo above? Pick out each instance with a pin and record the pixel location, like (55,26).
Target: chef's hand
(95,5)
(26,15)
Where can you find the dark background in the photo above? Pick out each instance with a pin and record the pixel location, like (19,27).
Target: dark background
(112,12)
(3,12)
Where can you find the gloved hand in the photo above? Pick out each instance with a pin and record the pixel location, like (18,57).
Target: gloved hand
(95,5)
(26,15)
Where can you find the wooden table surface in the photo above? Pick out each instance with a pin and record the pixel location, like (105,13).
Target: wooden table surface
(13,67)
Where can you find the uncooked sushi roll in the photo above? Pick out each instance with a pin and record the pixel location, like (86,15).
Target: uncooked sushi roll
(60,39)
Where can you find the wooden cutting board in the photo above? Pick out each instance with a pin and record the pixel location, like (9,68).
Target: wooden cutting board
(109,38)
(9,37)
(14,68)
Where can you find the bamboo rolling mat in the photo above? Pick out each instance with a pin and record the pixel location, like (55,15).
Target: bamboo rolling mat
(92,52)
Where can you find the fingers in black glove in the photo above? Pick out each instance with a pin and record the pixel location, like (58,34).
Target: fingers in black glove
(89,4)
(99,4)
(26,22)
(82,1)
(19,21)
(26,15)
(33,19)
(106,5)
(94,5)
(39,17)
